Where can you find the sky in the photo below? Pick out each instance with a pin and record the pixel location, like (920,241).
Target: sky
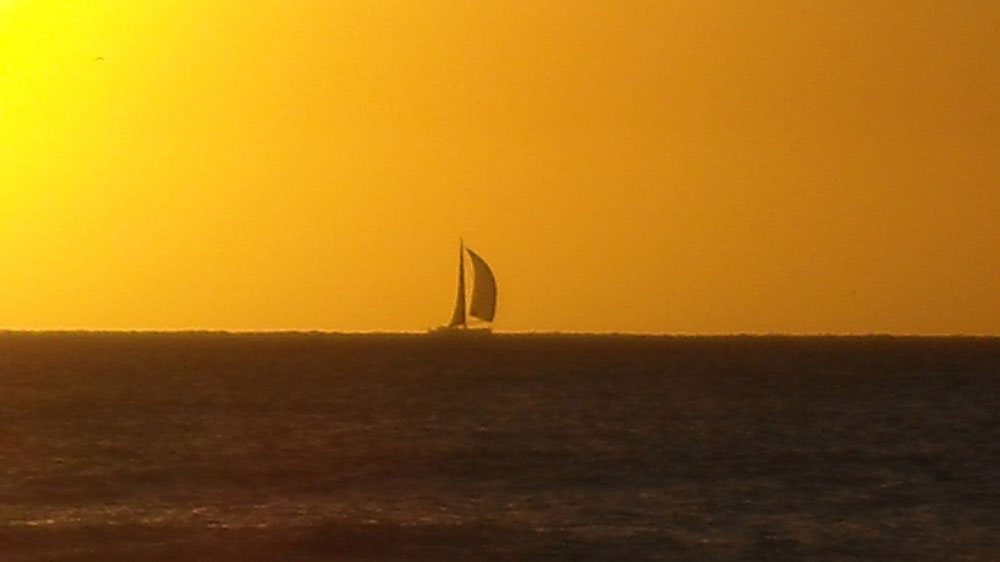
(679,167)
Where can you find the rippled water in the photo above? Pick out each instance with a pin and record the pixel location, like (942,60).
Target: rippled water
(400,448)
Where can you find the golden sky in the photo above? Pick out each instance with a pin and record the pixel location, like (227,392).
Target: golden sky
(646,166)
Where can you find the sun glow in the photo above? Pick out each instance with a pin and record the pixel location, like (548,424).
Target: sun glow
(677,167)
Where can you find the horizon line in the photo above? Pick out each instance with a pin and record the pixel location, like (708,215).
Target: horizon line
(324,332)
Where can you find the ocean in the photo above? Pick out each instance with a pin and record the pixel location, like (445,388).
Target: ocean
(398,448)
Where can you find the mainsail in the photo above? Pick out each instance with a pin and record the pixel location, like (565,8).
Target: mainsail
(484,291)
(458,317)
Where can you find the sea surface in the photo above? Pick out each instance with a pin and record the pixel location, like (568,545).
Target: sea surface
(318,447)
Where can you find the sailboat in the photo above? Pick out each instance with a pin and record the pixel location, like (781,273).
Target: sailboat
(483,304)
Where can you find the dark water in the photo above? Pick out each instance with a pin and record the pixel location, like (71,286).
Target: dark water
(405,448)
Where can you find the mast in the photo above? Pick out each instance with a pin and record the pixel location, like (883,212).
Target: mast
(458,317)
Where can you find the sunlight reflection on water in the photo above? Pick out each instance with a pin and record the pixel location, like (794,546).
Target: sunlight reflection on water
(752,450)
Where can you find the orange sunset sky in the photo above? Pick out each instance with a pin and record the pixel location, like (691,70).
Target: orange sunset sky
(645,166)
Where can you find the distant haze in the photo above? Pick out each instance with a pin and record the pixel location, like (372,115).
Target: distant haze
(661,166)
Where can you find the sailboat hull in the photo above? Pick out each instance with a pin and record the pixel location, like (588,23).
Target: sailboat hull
(460,333)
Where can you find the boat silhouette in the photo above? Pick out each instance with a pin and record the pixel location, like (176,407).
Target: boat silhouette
(482,306)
